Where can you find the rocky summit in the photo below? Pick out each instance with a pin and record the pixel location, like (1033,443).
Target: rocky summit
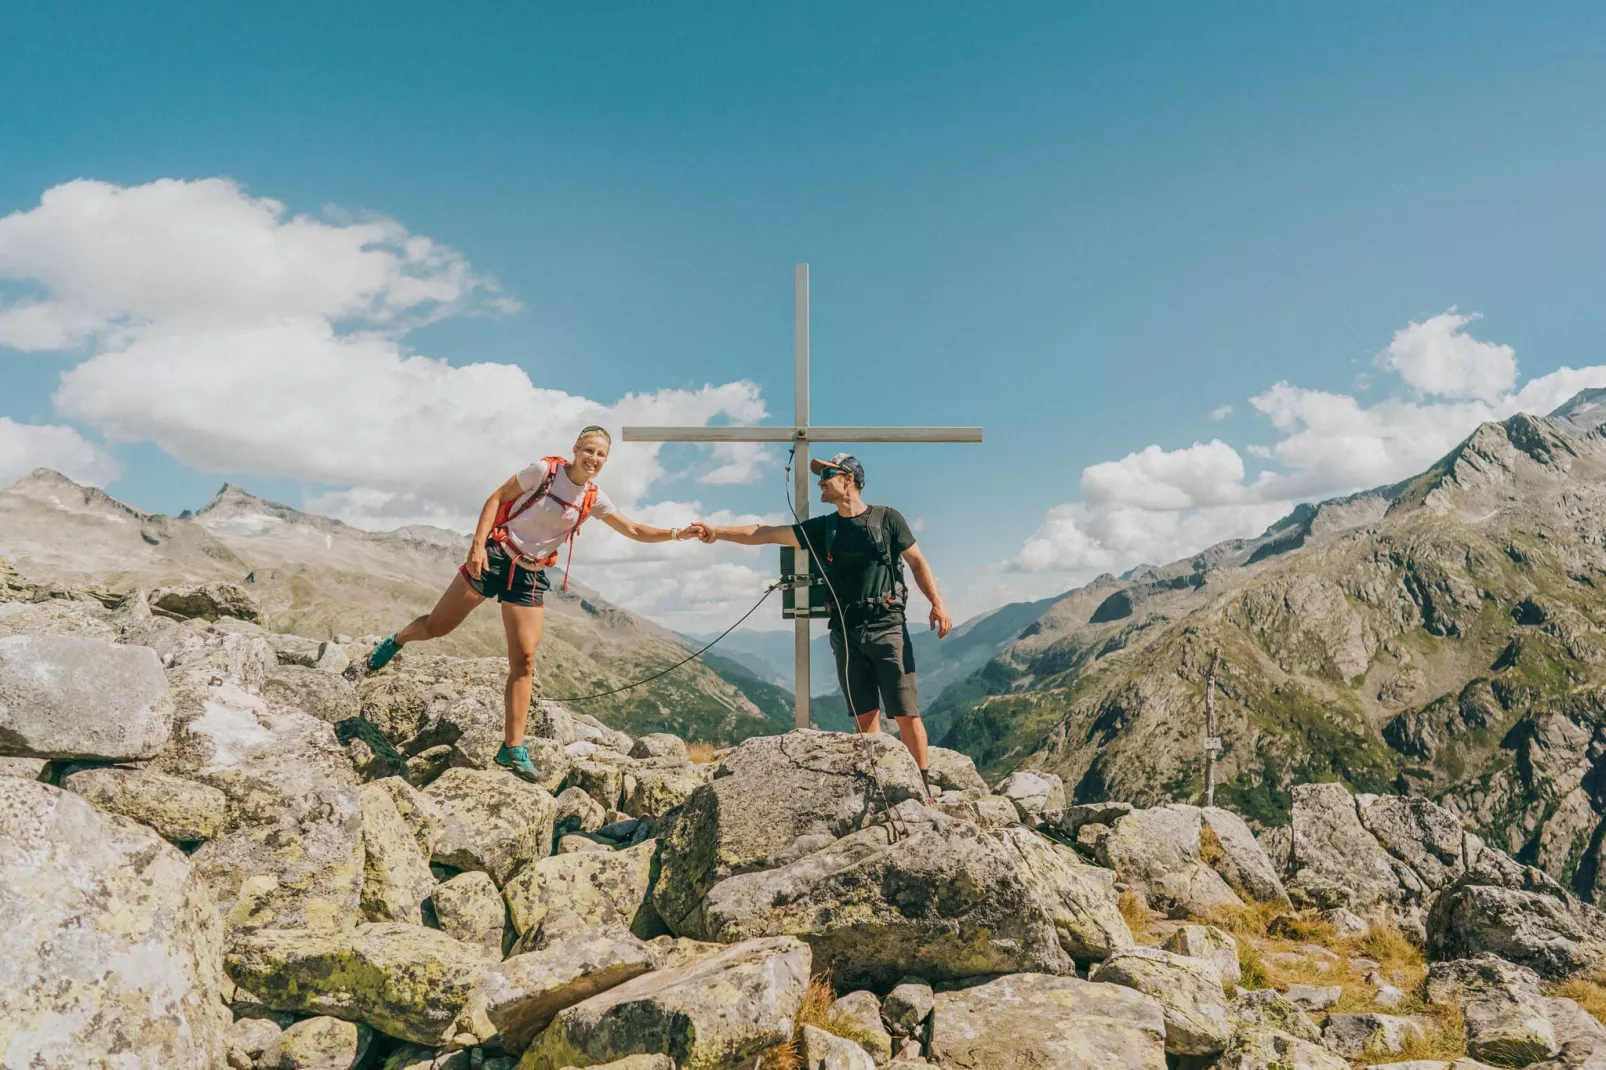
(222,846)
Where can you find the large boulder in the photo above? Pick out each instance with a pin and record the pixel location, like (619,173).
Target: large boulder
(396,878)
(827,1051)
(1033,793)
(1078,898)
(321,1043)
(1507,1021)
(775,799)
(518,998)
(326,696)
(110,945)
(1198,1017)
(418,812)
(950,770)
(655,792)
(1518,913)
(585,890)
(1422,834)
(1210,944)
(405,980)
(181,811)
(65,696)
(1334,860)
(494,821)
(661,745)
(1259,1048)
(469,908)
(207,601)
(1158,852)
(293,854)
(946,900)
(1227,845)
(1036,1020)
(709,1014)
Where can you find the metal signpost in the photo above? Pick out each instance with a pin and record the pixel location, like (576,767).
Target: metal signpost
(801,434)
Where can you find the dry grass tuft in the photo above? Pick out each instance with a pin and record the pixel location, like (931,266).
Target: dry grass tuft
(1137,916)
(1210,850)
(1303,929)
(816,1011)
(1588,992)
(1390,947)
(1248,920)
(1252,967)
(701,753)
(1444,1040)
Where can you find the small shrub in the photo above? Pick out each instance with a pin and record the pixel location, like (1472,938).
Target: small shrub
(701,753)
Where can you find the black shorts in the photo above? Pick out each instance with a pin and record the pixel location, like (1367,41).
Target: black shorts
(875,666)
(502,581)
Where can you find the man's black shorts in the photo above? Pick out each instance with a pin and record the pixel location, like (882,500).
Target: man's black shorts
(875,666)
(527,587)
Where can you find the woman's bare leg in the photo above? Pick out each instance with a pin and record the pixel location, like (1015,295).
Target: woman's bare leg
(523,627)
(458,602)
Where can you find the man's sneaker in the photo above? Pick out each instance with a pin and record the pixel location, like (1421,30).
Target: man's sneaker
(381,655)
(517,759)
(925,781)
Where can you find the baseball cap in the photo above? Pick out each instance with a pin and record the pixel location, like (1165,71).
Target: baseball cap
(845,461)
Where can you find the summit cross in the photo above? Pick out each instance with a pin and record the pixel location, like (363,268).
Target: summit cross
(800,434)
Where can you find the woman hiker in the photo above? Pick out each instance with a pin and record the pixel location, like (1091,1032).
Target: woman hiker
(521,527)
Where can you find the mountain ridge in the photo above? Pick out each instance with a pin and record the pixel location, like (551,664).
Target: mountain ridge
(1444,635)
(321,577)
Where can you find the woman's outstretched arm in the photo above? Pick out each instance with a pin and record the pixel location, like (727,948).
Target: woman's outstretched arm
(647,533)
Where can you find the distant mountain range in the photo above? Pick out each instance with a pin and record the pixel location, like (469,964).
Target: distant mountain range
(1443,636)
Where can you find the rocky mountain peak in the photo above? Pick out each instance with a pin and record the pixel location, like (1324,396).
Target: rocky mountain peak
(1584,411)
(49,486)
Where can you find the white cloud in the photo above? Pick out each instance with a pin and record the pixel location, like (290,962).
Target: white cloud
(1437,356)
(1159,505)
(206,254)
(1221,412)
(240,338)
(24,447)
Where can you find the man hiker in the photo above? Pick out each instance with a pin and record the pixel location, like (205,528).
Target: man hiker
(858,549)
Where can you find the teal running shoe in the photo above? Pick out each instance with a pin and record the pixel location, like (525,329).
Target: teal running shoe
(381,655)
(517,761)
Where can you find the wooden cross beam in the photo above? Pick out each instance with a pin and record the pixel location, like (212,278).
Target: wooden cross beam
(801,433)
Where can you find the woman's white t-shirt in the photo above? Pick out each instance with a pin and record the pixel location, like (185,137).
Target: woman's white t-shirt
(544,526)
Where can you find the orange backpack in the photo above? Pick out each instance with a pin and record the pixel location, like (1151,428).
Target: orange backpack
(509,511)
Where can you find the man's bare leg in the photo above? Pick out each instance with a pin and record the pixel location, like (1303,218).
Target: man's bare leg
(523,626)
(913,733)
(869,723)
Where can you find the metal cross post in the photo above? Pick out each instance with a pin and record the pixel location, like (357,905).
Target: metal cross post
(801,433)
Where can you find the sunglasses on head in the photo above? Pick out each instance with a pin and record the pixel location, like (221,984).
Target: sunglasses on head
(831,473)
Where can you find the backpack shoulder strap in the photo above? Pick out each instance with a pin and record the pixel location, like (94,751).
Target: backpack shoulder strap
(512,510)
(587,500)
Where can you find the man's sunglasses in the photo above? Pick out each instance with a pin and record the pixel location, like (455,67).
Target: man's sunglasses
(831,473)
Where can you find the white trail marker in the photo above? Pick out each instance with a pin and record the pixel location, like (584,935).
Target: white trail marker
(801,434)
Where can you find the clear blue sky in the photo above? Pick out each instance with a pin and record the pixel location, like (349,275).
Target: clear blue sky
(1083,226)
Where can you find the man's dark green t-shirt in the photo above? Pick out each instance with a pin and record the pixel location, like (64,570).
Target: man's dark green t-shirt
(856,569)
